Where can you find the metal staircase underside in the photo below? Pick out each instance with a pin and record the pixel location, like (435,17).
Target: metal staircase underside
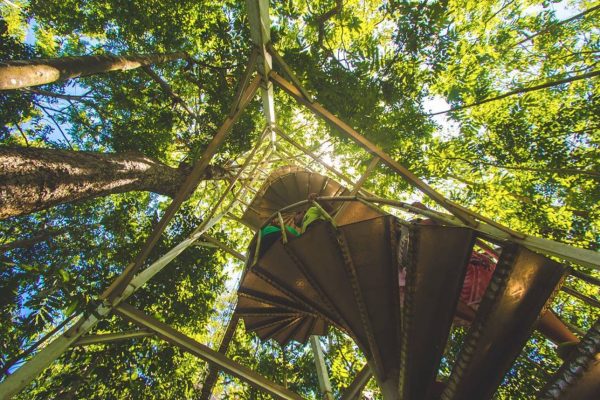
(347,276)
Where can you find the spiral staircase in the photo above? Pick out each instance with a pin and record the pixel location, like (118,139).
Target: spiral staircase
(347,275)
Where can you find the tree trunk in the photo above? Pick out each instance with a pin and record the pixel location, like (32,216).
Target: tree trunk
(34,179)
(23,73)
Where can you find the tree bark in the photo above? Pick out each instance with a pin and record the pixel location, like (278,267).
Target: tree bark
(34,179)
(23,73)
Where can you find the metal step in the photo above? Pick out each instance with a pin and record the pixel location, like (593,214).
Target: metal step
(521,287)
(282,331)
(288,333)
(370,246)
(435,259)
(282,268)
(579,377)
(319,252)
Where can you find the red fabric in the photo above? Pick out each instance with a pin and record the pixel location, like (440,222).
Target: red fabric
(478,276)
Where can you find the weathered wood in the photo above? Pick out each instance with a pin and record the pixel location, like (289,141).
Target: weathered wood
(260,32)
(361,379)
(250,66)
(211,377)
(288,71)
(112,337)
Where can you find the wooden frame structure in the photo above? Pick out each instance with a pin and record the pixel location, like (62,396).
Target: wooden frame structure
(134,277)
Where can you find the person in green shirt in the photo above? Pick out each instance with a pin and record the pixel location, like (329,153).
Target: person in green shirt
(314,214)
(271,233)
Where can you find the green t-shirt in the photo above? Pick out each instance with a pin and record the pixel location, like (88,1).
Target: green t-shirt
(312,214)
(272,229)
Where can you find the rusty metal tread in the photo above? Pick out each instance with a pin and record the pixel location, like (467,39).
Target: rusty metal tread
(282,269)
(522,285)
(372,245)
(319,251)
(260,285)
(285,335)
(248,303)
(375,352)
(276,312)
(267,332)
(284,330)
(329,309)
(320,328)
(436,260)
(285,186)
(275,302)
(579,377)
(255,323)
(282,287)
(309,328)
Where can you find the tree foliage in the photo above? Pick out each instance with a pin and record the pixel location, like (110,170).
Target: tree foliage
(529,160)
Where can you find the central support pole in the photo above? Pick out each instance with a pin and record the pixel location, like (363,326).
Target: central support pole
(322,374)
(260,31)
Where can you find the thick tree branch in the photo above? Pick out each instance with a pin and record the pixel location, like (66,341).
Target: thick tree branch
(167,89)
(560,171)
(27,243)
(34,179)
(321,19)
(23,73)
(522,90)
(557,24)
(57,95)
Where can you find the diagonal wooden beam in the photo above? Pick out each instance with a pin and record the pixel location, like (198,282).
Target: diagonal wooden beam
(204,352)
(288,71)
(211,377)
(112,337)
(358,384)
(250,67)
(188,186)
(346,129)
(224,247)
